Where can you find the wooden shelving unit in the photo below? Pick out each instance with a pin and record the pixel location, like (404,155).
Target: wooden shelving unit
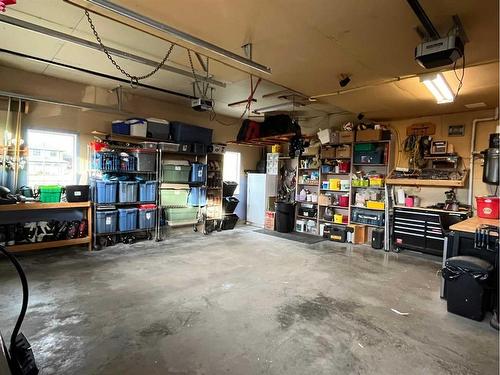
(422,182)
(37,206)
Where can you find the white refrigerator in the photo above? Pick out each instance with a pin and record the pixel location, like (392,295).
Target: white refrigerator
(260,187)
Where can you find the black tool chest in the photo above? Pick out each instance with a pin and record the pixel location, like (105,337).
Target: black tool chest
(423,230)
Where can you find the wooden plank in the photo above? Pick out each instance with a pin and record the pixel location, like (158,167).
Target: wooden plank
(43,206)
(421,182)
(47,245)
(471,224)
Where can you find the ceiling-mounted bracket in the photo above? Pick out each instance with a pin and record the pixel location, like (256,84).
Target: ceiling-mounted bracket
(247,50)
(459,28)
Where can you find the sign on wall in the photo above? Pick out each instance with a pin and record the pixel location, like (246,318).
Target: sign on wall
(456,130)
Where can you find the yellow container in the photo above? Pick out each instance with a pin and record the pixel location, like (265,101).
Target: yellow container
(375,204)
(276,148)
(337,218)
(334,183)
(376,181)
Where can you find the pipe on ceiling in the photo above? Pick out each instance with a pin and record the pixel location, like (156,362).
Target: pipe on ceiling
(424,19)
(474,153)
(115,52)
(94,73)
(170,32)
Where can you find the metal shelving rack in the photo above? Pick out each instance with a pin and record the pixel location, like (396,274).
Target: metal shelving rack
(384,168)
(202,210)
(95,174)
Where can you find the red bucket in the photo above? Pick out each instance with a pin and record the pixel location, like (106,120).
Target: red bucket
(488,207)
(343,200)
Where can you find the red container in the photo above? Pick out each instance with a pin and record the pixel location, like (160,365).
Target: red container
(147,206)
(344,166)
(488,207)
(343,200)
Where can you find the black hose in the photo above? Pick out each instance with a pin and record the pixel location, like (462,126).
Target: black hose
(24,283)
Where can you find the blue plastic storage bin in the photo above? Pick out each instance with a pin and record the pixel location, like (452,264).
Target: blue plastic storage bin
(106,221)
(128,162)
(106,191)
(147,191)
(128,191)
(197,196)
(106,161)
(198,172)
(120,127)
(147,217)
(127,219)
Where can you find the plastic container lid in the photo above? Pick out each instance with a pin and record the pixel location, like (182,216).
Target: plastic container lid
(147,206)
(157,120)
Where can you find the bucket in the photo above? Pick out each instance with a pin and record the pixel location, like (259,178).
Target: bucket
(285,216)
(488,207)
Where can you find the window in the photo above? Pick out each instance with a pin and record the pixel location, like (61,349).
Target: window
(231,168)
(52,158)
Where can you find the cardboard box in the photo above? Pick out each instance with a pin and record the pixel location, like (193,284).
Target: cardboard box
(324,200)
(346,137)
(369,135)
(358,234)
(328,153)
(343,151)
(269,220)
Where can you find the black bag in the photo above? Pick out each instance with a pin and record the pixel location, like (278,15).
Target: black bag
(278,124)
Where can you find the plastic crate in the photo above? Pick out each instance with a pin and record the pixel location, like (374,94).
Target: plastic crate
(106,191)
(127,191)
(127,219)
(181,213)
(197,196)
(50,193)
(360,216)
(228,188)
(77,193)
(158,129)
(185,133)
(128,162)
(145,159)
(198,172)
(147,216)
(176,173)
(364,147)
(106,221)
(147,191)
(176,197)
(369,157)
(106,161)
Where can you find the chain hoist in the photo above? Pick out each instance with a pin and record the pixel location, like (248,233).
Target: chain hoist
(134,80)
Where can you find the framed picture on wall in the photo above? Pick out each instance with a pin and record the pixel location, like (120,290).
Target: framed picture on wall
(456,130)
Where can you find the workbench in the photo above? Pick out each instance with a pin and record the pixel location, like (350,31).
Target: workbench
(460,241)
(36,206)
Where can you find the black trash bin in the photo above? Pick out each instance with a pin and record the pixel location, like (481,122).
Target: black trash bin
(285,216)
(466,286)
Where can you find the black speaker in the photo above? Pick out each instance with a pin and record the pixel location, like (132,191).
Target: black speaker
(378,238)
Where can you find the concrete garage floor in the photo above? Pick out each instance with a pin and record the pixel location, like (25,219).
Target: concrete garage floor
(240,302)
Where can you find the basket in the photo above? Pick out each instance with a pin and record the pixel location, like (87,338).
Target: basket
(50,193)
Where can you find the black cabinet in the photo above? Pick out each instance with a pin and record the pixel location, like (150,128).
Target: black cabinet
(423,230)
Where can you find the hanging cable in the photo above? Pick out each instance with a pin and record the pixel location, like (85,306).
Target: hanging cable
(134,80)
(461,78)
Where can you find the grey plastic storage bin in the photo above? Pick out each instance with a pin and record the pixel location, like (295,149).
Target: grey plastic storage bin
(127,219)
(106,221)
(146,159)
(176,173)
(128,191)
(147,217)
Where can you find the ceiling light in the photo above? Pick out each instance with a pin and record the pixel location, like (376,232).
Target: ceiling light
(437,85)
(290,106)
(476,105)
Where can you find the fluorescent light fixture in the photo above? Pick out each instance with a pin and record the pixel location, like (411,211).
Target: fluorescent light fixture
(438,86)
(289,106)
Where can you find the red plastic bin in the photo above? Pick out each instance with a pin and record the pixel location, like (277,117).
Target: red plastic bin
(343,200)
(488,207)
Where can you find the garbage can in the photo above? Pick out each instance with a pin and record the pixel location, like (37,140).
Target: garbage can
(285,215)
(466,285)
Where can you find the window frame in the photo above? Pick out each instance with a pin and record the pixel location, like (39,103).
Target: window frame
(76,148)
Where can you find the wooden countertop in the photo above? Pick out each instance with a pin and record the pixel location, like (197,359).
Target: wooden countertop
(43,206)
(432,209)
(471,224)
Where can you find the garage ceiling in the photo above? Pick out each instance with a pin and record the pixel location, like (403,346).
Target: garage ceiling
(307,45)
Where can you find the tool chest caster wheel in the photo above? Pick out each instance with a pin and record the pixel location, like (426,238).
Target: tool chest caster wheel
(397,250)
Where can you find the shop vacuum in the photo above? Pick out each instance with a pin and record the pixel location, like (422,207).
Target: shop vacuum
(18,359)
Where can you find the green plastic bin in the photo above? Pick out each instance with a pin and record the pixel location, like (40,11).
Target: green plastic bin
(174,197)
(50,193)
(176,173)
(364,147)
(181,213)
